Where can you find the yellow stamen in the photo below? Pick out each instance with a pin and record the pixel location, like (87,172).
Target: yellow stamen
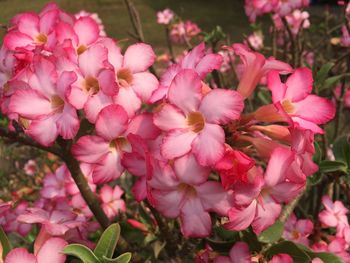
(196,121)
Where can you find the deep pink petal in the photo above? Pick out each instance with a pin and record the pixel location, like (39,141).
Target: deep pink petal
(111,122)
(221,106)
(208,63)
(278,89)
(299,84)
(139,57)
(107,82)
(240,253)
(14,39)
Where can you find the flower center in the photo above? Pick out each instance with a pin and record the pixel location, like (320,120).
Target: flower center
(295,234)
(288,106)
(23,122)
(81,49)
(187,189)
(119,144)
(91,85)
(196,121)
(41,38)
(57,104)
(124,76)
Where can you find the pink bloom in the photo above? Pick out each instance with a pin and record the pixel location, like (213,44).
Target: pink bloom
(197,59)
(298,230)
(257,202)
(45,104)
(338,246)
(295,99)
(51,249)
(184,191)
(135,82)
(164,17)
(54,183)
(95,17)
(10,221)
(281,258)
(233,167)
(112,204)
(105,150)
(255,67)
(30,167)
(239,253)
(192,120)
(56,222)
(183,32)
(298,20)
(335,214)
(286,7)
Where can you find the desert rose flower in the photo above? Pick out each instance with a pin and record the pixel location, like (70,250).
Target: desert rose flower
(298,230)
(112,203)
(165,17)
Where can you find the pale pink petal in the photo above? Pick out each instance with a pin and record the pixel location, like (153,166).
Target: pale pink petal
(68,123)
(13,40)
(48,21)
(128,99)
(195,222)
(29,104)
(328,218)
(108,168)
(87,30)
(207,64)
(279,258)
(299,84)
(111,122)
(107,82)
(221,106)
(241,218)
(139,57)
(20,255)
(307,125)
(189,171)
(304,226)
(169,118)
(28,23)
(193,57)
(168,203)
(92,60)
(143,126)
(266,214)
(279,163)
(214,198)
(77,97)
(208,146)
(43,131)
(170,148)
(278,192)
(66,79)
(278,89)
(163,177)
(52,249)
(90,149)
(240,253)
(185,91)
(315,109)
(95,104)
(144,84)
(65,31)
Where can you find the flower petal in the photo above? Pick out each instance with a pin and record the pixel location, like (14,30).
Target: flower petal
(170,148)
(87,30)
(90,149)
(52,249)
(107,169)
(169,118)
(19,255)
(144,83)
(139,57)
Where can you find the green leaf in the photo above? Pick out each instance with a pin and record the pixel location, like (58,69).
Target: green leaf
(108,241)
(124,258)
(326,257)
(341,150)
(288,247)
(5,243)
(332,81)
(318,153)
(322,74)
(273,233)
(82,252)
(327,166)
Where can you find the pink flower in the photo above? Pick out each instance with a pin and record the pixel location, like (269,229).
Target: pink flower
(56,222)
(95,17)
(257,202)
(255,67)
(183,32)
(279,258)
(10,222)
(165,17)
(105,150)
(198,59)
(334,215)
(30,167)
(54,183)
(295,99)
(338,246)
(184,191)
(239,253)
(112,204)
(51,249)
(298,20)
(345,40)
(192,120)
(45,104)
(298,230)
(286,7)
